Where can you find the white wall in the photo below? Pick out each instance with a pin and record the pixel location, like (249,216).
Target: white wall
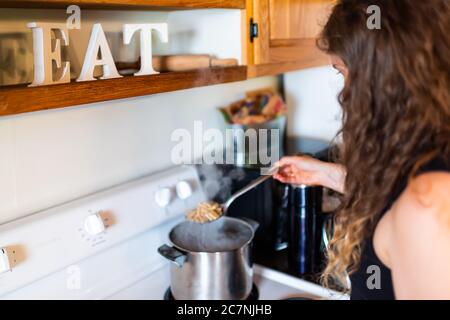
(50,157)
(311,96)
(215,32)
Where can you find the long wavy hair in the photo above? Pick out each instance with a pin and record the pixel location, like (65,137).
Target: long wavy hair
(396,110)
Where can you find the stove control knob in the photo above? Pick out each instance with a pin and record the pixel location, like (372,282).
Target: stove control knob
(163,197)
(94,224)
(5,266)
(184,190)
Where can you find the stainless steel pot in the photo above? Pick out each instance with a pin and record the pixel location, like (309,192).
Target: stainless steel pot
(211,261)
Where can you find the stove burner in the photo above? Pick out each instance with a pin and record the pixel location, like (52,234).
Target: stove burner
(253,296)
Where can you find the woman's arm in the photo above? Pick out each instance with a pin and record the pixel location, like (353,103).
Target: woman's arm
(310,171)
(418,249)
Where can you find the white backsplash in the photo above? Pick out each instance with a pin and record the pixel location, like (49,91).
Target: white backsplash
(51,157)
(311,96)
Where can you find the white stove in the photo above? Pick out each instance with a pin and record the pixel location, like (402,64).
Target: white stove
(104,246)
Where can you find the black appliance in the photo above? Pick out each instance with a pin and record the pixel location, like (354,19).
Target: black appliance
(305,251)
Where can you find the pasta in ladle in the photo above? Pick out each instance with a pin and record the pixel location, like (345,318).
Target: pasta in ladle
(205,212)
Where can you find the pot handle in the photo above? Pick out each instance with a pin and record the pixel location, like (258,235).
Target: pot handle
(172,254)
(254,224)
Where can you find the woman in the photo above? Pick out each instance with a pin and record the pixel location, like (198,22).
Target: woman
(392,233)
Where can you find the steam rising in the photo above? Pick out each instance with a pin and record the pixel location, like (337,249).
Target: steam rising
(217,185)
(224,234)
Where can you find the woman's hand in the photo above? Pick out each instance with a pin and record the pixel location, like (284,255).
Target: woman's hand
(312,172)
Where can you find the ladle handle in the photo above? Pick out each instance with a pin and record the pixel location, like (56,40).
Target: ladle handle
(239,193)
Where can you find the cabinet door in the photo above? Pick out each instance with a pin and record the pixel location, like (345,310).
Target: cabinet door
(288,30)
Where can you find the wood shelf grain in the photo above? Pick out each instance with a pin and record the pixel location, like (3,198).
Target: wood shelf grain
(21,99)
(275,69)
(125,4)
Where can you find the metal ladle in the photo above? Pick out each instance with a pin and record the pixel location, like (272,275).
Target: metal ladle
(224,206)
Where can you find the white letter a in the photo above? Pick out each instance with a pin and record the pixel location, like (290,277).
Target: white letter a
(374,21)
(374,281)
(97,43)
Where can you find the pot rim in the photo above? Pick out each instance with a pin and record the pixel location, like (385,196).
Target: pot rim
(248,242)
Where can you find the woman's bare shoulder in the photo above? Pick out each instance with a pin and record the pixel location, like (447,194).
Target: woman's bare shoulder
(427,196)
(419,230)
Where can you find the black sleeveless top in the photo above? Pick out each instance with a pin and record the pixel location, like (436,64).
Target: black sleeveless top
(359,280)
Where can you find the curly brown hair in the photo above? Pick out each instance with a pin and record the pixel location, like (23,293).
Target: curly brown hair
(396,110)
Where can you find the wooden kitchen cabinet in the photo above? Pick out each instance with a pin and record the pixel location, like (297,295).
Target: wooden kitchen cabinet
(282,35)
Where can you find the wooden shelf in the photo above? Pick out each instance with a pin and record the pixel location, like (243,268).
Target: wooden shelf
(21,99)
(274,69)
(125,4)
(309,57)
